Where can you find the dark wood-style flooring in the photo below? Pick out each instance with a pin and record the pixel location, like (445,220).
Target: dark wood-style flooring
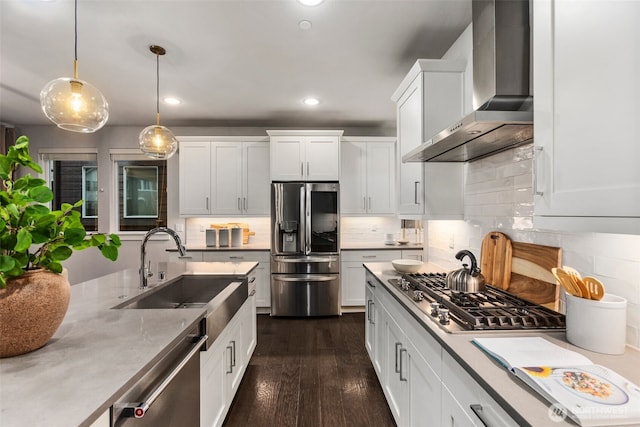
(310,372)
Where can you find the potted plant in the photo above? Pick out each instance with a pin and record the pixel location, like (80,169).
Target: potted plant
(34,240)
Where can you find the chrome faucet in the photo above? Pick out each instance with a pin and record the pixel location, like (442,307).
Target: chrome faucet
(144,275)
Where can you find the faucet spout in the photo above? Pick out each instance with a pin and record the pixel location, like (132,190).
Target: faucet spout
(143,250)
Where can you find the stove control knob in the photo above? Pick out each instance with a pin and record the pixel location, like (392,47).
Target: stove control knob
(404,284)
(434,308)
(443,314)
(418,296)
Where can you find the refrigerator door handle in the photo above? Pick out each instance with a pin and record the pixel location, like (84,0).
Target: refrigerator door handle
(302,226)
(307,219)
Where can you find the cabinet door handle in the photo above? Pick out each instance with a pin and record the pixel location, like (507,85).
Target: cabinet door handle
(398,347)
(373,313)
(479,411)
(233,353)
(536,175)
(206,202)
(402,350)
(369,310)
(364,203)
(369,207)
(239,204)
(415,192)
(244,203)
(230,359)
(302,169)
(307,169)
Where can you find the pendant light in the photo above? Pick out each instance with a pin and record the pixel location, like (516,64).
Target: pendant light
(158,141)
(73,104)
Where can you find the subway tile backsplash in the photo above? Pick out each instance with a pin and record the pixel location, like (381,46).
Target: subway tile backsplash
(499,197)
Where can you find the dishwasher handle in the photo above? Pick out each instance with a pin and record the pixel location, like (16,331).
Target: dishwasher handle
(138,409)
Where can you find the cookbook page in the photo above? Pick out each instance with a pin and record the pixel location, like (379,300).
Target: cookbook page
(529,351)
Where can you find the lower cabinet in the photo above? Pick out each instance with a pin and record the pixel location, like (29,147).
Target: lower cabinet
(353,273)
(469,404)
(409,362)
(419,378)
(224,363)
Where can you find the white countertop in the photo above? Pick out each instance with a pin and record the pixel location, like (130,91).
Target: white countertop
(345,246)
(516,397)
(98,352)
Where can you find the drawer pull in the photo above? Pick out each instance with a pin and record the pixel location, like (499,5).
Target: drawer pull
(370,284)
(369,256)
(479,411)
(402,350)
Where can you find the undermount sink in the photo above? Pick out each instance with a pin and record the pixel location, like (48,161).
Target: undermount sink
(222,297)
(183,292)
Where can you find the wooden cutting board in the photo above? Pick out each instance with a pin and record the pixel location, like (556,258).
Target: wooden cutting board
(531,276)
(495,259)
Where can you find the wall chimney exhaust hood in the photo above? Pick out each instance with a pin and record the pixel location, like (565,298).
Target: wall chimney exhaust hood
(503,116)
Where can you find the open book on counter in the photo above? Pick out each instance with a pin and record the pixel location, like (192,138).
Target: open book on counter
(591,395)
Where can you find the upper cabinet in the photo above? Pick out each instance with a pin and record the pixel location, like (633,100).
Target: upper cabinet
(305,155)
(430,98)
(586,113)
(367,178)
(224,176)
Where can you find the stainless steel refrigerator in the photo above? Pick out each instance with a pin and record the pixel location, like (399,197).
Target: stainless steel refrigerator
(305,249)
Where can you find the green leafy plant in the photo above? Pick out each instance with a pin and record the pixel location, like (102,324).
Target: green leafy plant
(32,235)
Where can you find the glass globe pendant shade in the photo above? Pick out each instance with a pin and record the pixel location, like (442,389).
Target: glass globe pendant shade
(74,105)
(158,142)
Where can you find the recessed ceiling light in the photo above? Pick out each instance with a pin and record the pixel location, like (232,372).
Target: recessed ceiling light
(171,100)
(310,2)
(304,25)
(311,101)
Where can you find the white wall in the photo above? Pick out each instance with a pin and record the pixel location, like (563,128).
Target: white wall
(498,197)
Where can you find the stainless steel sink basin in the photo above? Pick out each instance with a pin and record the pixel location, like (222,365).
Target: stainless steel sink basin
(184,292)
(222,297)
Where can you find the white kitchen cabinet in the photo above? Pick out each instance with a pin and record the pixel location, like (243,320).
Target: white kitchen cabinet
(191,256)
(367,176)
(411,364)
(586,138)
(353,273)
(474,402)
(224,363)
(305,155)
(228,176)
(430,98)
(415,254)
(262,271)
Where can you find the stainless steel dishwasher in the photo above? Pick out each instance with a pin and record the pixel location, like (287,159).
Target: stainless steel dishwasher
(169,394)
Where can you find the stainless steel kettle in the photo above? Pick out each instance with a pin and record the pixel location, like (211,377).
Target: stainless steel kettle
(466,279)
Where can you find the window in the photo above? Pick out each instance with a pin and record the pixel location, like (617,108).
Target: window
(73,176)
(141,192)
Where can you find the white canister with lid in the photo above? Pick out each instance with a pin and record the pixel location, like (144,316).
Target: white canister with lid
(224,238)
(236,236)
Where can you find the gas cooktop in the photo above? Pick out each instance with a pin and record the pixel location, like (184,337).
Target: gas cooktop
(490,310)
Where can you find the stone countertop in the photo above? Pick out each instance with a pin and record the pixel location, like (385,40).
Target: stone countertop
(364,246)
(98,352)
(247,247)
(517,398)
(348,246)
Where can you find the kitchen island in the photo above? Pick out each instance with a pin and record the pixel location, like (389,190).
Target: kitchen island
(98,352)
(455,364)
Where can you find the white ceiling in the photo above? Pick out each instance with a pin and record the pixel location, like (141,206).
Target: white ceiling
(232,62)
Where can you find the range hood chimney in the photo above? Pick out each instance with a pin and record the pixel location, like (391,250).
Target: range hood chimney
(503,116)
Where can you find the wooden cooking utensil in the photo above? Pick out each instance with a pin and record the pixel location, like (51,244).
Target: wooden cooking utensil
(595,287)
(566,282)
(495,259)
(577,281)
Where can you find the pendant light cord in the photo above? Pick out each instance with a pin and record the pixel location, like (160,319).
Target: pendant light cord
(158,88)
(75,34)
